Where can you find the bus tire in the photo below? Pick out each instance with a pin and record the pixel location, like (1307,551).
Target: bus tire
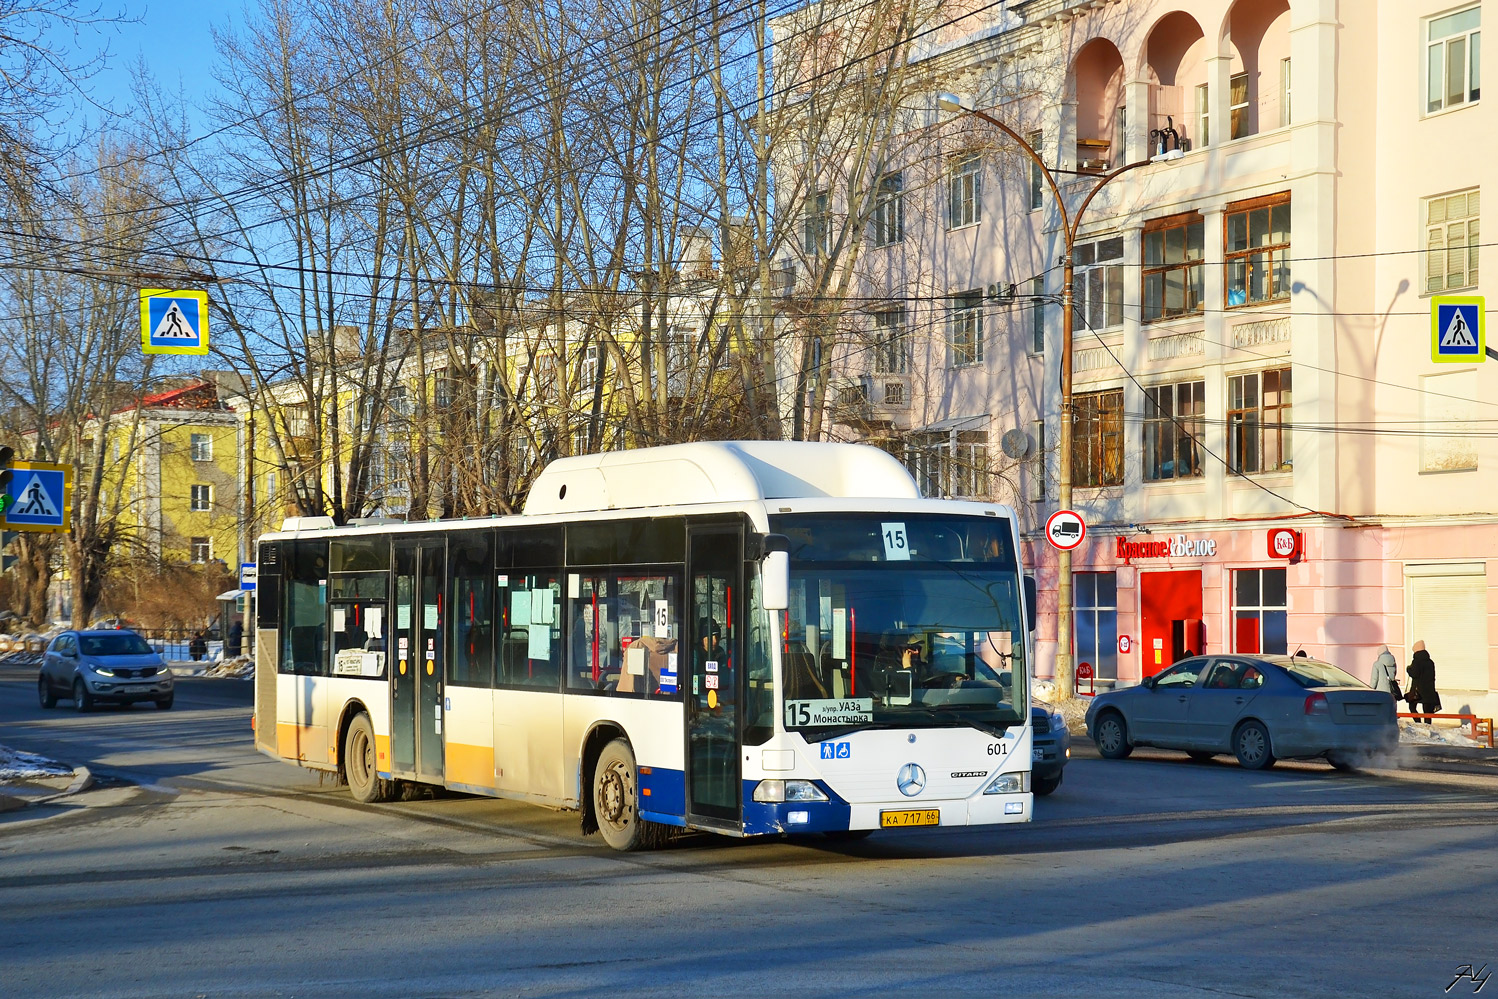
(359,764)
(616,800)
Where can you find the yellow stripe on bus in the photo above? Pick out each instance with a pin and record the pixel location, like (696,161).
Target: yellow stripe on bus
(473,765)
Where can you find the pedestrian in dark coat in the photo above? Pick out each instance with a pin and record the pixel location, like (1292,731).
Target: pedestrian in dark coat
(1421,674)
(236,640)
(198,647)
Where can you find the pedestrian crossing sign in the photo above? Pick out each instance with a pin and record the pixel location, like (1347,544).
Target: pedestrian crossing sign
(40,497)
(1458,329)
(173,322)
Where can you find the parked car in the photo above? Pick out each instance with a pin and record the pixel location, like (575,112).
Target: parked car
(1259,708)
(103,666)
(1052,748)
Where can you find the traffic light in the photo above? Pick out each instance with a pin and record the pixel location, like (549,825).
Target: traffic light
(7,455)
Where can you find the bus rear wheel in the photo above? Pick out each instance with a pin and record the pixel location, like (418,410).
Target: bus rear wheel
(359,763)
(616,801)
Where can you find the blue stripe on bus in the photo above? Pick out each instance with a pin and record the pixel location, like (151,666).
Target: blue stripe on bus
(663,795)
(821,816)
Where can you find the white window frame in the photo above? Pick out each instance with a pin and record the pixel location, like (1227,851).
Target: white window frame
(892,345)
(965,330)
(1204,112)
(1441,47)
(201,446)
(1258,609)
(888,216)
(1238,126)
(965,191)
(1097,286)
(816,224)
(1444,235)
(1285,92)
(1037,178)
(201,498)
(206,544)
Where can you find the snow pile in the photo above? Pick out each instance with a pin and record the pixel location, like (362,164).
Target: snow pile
(238,668)
(1433,735)
(16,765)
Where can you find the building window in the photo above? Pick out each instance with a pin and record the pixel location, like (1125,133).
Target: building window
(202,550)
(270,488)
(965,191)
(202,498)
(1037,178)
(1448,409)
(1238,124)
(1453,60)
(1284,92)
(1095,613)
(892,347)
(1204,113)
(1097,284)
(949,462)
(1037,462)
(1037,316)
(201,447)
(816,228)
(894,394)
(587,370)
(1256,245)
(1259,421)
(1173,266)
(1097,438)
(1451,241)
(1259,612)
(965,330)
(1174,422)
(889,210)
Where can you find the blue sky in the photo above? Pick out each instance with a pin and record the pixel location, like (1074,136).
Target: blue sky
(173,38)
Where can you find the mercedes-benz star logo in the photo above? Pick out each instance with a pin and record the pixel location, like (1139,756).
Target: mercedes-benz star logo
(912,780)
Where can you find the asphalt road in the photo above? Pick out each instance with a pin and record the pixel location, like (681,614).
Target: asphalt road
(202,869)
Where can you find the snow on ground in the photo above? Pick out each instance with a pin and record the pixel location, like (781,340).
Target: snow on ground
(1436,735)
(16,765)
(239,668)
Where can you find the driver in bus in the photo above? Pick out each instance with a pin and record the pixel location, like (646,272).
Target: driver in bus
(899,651)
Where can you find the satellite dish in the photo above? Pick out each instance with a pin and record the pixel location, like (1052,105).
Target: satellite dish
(1015,443)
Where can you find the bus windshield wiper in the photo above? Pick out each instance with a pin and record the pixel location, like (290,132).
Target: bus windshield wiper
(948,711)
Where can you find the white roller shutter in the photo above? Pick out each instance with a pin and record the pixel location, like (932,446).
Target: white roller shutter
(1448,610)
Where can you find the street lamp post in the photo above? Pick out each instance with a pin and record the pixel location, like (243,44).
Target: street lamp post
(1070,223)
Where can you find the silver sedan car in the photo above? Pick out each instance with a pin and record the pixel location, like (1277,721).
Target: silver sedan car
(1259,708)
(105,666)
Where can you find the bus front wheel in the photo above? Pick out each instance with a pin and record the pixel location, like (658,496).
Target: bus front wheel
(359,764)
(616,800)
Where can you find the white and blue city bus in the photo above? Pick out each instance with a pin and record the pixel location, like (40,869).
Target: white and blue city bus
(746,638)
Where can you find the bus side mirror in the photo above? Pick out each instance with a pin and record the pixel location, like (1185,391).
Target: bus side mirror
(775,573)
(1030,598)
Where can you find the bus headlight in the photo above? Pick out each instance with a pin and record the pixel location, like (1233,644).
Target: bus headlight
(1010,783)
(775,790)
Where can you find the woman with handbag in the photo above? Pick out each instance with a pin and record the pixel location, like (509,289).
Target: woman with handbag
(1421,674)
(1386,675)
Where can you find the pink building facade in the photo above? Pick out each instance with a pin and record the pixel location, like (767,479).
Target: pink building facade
(1253,347)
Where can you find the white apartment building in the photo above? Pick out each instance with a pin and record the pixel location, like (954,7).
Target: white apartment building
(1253,347)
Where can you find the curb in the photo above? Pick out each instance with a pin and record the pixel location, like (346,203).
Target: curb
(83,779)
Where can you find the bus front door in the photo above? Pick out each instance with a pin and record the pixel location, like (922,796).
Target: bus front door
(715,560)
(416,693)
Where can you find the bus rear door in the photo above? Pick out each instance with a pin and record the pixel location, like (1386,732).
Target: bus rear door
(419,675)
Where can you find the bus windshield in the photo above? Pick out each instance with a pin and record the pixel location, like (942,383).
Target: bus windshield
(902,620)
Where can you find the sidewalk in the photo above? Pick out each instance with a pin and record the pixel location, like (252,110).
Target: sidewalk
(28,779)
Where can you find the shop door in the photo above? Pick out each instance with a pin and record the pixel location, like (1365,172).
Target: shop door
(714,584)
(416,694)
(1171,611)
